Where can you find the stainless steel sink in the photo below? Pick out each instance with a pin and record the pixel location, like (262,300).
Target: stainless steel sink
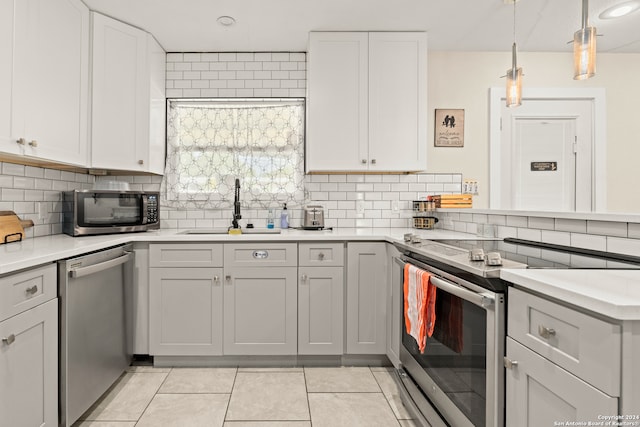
(226,231)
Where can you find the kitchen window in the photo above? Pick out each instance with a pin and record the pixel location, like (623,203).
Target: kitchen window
(211,142)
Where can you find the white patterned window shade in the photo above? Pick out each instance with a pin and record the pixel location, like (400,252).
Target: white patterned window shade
(211,142)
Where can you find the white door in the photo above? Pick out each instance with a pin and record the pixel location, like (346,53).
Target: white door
(543,164)
(546,156)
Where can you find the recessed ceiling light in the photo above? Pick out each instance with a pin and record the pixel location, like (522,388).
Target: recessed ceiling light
(620,10)
(226,21)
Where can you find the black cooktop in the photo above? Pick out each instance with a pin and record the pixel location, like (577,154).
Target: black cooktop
(548,255)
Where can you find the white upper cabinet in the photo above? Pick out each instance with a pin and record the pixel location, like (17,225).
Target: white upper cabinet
(367,97)
(46,92)
(7,144)
(128,88)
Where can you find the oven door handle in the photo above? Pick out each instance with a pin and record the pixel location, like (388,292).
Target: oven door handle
(480,300)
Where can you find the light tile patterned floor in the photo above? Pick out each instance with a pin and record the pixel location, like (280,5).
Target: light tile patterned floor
(248,397)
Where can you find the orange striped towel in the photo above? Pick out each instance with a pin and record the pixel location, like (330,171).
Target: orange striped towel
(419,304)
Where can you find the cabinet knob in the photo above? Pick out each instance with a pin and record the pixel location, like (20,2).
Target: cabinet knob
(9,340)
(510,364)
(321,256)
(373,161)
(216,279)
(33,143)
(227,279)
(304,277)
(32,290)
(21,141)
(141,162)
(545,332)
(364,161)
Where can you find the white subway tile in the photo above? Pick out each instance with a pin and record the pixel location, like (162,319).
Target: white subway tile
(237,66)
(174,57)
(362,222)
(408,178)
(281,92)
(229,93)
(587,241)
(204,223)
(52,174)
(319,195)
(175,214)
(33,195)
(556,237)
(191,75)
(297,56)
(379,187)
(235,84)
(191,57)
(529,234)
(382,204)
(390,178)
(182,84)
(337,213)
(182,66)
(517,221)
(400,187)
(408,195)
(271,84)
(253,66)
(192,93)
(11,169)
(346,222)
(200,66)
(329,186)
(634,230)
(209,56)
(210,75)
(426,177)
(270,66)
(200,84)
(226,75)
(218,84)
(297,75)
(288,84)
(400,222)
(355,178)
(364,187)
(347,205)
(318,178)
(452,188)
(245,56)
(507,232)
(541,223)
(262,56)
(372,196)
(382,223)
(337,195)
(623,246)
(210,93)
(227,57)
(12,194)
(418,187)
(571,225)
(6,181)
(280,75)
(435,187)
(23,182)
(607,228)
(218,66)
(173,93)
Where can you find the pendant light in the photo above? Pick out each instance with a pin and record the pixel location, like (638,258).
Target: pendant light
(514,74)
(584,47)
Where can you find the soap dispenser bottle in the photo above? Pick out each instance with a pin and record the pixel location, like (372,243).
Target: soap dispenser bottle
(270,219)
(284,217)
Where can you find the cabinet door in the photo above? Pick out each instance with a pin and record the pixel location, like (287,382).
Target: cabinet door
(394,305)
(157,106)
(337,80)
(397,101)
(366,298)
(540,393)
(29,367)
(7,143)
(51,78)
(185,311)
(320,310)
(120,114)
(260,311)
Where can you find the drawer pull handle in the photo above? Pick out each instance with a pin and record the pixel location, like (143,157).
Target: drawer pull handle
(260,254)
(32,290)
(321,256)
(510,364)
(9,340)
(545,332)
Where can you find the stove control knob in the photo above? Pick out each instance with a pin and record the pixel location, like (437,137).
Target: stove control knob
(476,254)
(493,259)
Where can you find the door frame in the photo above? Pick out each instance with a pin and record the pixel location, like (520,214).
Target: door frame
(597,96)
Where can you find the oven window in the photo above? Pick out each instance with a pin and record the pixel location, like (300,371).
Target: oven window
(108,209)
(455,356)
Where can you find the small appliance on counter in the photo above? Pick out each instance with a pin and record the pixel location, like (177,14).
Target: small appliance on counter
(313,217)
(89,212)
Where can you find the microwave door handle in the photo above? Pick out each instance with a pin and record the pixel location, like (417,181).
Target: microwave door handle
(480,300)
(145,212)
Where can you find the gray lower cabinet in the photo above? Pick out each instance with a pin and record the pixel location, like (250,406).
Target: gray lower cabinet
(260,307)
(29,348)
(562,365)
(320,310)
(185,311)
(366,298)
(185,299)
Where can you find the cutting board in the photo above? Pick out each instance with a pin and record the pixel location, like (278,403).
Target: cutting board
(12,227)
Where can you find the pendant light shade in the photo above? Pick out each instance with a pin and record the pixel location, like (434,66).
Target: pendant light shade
(514,74)
(514,82)
(584,47)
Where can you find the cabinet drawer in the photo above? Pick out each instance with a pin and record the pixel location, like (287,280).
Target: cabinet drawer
(321,254)
(587,347)
(260,254)
(25,290)
(185,255)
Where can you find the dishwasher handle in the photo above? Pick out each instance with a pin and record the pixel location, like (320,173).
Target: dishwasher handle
(91,269)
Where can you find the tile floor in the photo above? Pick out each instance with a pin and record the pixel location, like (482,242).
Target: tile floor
(250,397)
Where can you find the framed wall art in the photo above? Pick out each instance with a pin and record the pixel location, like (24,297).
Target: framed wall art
(449,128)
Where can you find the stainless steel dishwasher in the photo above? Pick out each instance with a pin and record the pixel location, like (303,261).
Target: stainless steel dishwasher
(95,338)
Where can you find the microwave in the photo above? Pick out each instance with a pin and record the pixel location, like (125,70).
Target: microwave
(90,212)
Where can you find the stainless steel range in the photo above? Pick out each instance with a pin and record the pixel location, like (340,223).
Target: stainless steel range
(459,378)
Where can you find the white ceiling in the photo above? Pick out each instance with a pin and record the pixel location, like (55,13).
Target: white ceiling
(283,25)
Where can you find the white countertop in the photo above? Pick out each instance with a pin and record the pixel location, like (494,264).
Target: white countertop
(40,250)
(612,293)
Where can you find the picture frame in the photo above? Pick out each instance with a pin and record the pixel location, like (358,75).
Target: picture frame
(449,128)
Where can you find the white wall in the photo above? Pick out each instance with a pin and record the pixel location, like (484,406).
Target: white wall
(462,80)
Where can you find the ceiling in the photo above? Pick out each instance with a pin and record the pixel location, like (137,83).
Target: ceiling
(459,25)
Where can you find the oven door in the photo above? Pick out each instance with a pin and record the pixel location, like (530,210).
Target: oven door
(460,371)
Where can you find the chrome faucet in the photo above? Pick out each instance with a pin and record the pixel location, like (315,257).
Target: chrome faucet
(236,207)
